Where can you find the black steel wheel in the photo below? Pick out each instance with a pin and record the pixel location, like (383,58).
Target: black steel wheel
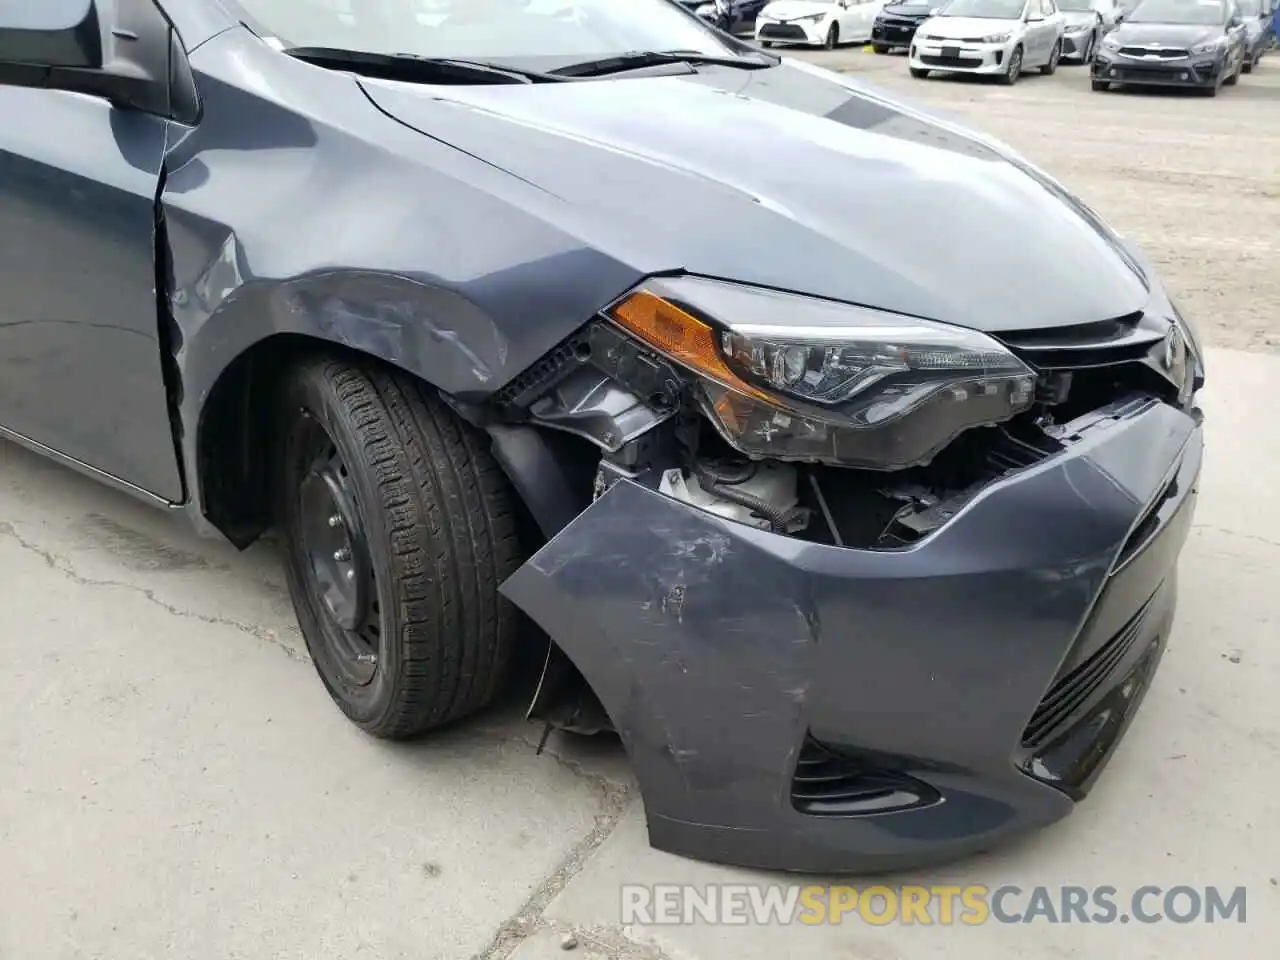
(398,527)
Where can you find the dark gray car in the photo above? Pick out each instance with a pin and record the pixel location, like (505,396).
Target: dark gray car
(843,457)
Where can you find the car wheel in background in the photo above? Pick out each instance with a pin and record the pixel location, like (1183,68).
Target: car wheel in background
(833,37)
(398,526)
(880,48)
(1014,68)
(1054,56)
(1248,65)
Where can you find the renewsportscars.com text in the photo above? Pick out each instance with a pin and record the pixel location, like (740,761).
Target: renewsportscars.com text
(970,905)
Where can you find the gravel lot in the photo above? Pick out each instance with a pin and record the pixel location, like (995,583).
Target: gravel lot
(1196,181)
(174,781)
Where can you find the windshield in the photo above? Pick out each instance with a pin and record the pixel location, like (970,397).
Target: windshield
(1199,12)
(984,9)
(539,32)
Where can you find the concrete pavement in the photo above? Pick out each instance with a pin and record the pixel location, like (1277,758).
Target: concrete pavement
(176,782)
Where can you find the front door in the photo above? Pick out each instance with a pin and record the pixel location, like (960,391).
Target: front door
(80,352)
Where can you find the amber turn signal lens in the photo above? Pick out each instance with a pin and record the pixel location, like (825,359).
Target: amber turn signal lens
(679,335)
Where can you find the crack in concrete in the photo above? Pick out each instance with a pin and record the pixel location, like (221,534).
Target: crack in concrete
(615,798)
(612,941)
(1236,533)
(64,566)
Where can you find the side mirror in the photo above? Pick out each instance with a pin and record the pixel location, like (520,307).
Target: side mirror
(62,34)
(132,57)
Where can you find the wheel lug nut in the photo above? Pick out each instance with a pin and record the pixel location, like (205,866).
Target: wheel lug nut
(335,520)
(343,554)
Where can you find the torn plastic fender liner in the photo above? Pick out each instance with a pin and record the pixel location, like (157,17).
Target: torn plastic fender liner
(717,648)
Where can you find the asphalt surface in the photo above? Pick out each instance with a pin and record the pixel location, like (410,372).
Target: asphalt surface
(175,781)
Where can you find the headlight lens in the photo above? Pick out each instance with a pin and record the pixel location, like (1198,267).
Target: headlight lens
(996,37)
(1211,46)
(811,18)
(796,378)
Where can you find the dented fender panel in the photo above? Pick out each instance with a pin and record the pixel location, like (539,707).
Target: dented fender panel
(719,651)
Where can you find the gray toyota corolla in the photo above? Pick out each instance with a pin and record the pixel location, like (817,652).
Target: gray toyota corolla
(831,454)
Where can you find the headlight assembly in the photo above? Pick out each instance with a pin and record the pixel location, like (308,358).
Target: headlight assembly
(997,38)
(795,378)
(811,18)
(1212,46)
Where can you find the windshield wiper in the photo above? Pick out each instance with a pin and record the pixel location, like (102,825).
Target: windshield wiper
(639,59)
(411,66)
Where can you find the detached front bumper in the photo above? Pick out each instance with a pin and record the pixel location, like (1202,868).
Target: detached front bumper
(795,31)
(1203,71)
(954,56)
(796,706)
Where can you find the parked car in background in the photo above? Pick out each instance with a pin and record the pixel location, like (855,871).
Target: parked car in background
(732,16)
(1257,23)
(995,37)
(896,23)
(1082,29)
(1197,44)
(825,23)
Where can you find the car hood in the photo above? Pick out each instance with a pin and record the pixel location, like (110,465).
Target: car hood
(1164,34)
(970,27)
(916,10)
(793,178)
(790,9)
(1073,18)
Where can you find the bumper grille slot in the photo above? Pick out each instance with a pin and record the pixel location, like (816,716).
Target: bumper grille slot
(1084,345)
(830,784)
(782,31)
(1069,693)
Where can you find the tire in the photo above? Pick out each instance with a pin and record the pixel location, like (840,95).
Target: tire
(833,37)
(430,522)
(1014,70)
(918,73)
(1100,85)
(880,48)
(1248,66)
(1054,56)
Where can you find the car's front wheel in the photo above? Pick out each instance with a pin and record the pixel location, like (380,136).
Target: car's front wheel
(399,527)
(1054,56)
(1014,68)
(833,37)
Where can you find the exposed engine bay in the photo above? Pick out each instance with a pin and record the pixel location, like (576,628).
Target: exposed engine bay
(638,413)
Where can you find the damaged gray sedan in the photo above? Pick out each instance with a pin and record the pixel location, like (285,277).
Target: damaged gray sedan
(845,479)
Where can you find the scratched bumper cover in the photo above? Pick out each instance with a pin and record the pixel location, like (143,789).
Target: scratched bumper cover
(988,672)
